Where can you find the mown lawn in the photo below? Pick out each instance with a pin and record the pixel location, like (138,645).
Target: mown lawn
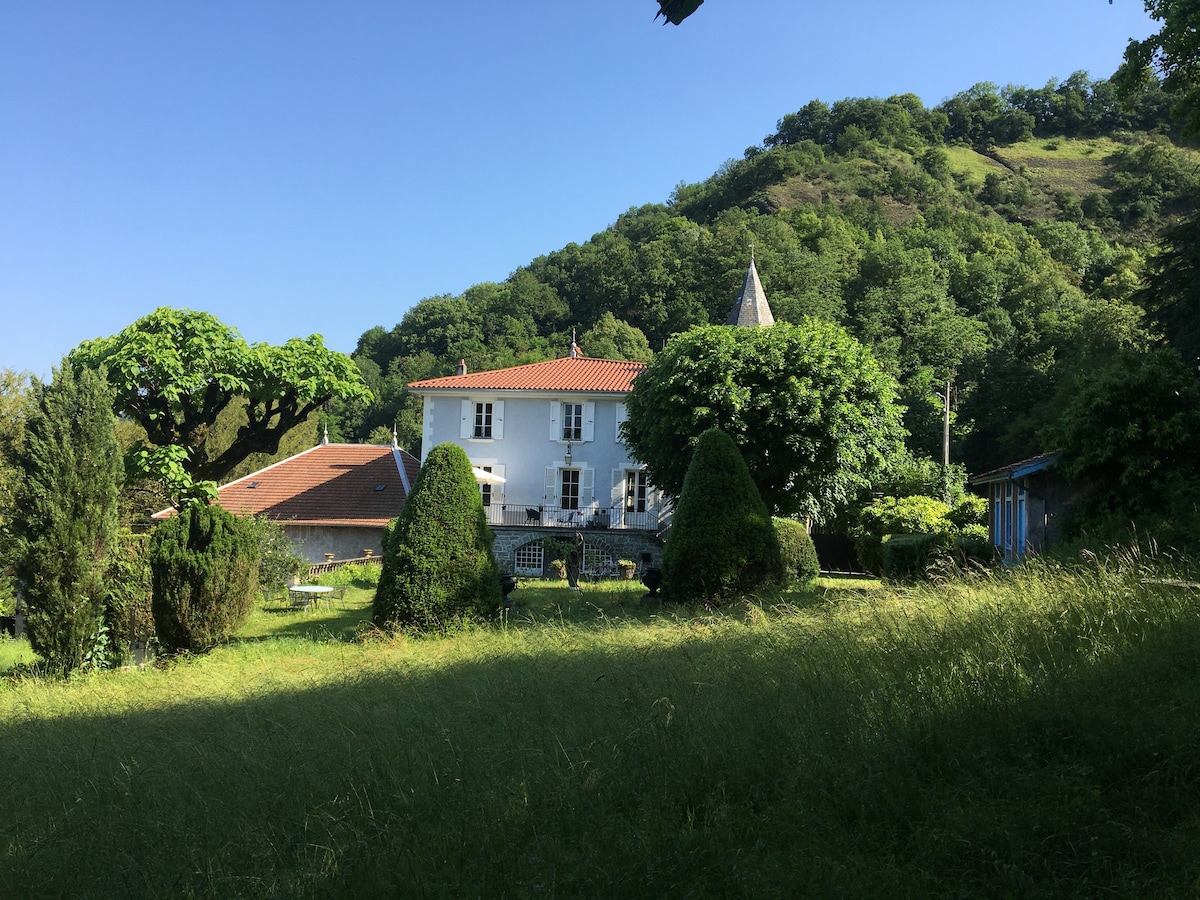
(1027,735)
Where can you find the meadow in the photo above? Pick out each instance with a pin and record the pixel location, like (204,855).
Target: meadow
(1029,733)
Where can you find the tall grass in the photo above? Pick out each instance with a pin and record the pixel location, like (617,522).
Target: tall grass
(1026,734)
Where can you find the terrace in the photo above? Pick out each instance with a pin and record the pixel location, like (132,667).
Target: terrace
(593,516)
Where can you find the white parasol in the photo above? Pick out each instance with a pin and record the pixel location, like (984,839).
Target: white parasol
(486,477)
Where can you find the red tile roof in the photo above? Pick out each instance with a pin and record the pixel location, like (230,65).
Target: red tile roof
(331,484)
(567,374)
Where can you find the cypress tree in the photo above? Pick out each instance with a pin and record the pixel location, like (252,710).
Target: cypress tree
(438,566)
(67,521)
(722,543)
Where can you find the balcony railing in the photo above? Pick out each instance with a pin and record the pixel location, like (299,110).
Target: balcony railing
(541,515)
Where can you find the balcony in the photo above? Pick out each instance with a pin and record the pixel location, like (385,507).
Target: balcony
(542,515)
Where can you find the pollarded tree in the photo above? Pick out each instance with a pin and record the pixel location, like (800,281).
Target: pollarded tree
(809,407)
(722,543)
(175,370)
(437,556)
(67,520)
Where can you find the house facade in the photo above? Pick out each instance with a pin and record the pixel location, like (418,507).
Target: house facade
(1028,502)
(546,440)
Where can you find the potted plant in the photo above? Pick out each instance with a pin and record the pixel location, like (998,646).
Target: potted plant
(627,568)
(557,551)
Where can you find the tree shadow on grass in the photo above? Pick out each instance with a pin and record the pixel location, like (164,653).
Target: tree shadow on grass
(739,762)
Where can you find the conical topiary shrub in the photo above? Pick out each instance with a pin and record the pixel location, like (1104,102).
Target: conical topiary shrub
(204,576)
(722,543)
(438,567)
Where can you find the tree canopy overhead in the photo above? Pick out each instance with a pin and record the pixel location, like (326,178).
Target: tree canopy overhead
(675,11)
(1174,54)
(809,407)
(175,370)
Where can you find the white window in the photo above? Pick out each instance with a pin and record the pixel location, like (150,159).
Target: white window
(529,559)
(637,489)
(483,420)
(485,488)
(572,421)
(569,494)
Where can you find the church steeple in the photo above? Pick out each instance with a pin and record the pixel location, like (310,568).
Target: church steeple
(751,308)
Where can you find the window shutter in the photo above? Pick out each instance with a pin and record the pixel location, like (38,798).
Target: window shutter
(617,495)
(587,485)
(498,420)
(498,489)
(589,421)
(551,495)
(467,425)
(555,427)
(622,415)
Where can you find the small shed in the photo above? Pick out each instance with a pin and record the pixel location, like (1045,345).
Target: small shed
(1028,502)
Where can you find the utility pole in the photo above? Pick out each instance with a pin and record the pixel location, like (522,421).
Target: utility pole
(946,427)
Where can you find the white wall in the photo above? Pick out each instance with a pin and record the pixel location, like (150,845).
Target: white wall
(525,449)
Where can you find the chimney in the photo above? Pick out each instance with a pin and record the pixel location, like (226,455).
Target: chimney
(462,367)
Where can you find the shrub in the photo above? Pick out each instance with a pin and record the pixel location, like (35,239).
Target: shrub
(278,560)
(889,515)
(909,555)
(969,512)
(438,567)
(70,465)
(204,569)
(722,544)
(799,556)
(130,614)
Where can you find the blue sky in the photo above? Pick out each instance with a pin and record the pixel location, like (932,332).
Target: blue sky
(296,167)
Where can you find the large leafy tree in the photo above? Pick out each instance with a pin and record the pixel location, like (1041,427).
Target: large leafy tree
(1172,292)
(1131,434)
(175,371)
(67,521)
(809,407)
(1173,53)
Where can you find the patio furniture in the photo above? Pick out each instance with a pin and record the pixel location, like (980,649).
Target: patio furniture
(305,595)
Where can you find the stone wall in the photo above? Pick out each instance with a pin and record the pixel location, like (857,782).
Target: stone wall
(345,542)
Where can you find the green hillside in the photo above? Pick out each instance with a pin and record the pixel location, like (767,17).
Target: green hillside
(997,240)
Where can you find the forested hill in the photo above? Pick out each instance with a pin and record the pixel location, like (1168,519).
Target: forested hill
(997,239)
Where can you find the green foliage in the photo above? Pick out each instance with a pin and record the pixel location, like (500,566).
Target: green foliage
(1131,434)
(906,556)
(611,339)
(14,389)
(722,544)
(897,515)
(279,562)
(799,556)
(810,409)
(204,567)
(175,371)
(908,537)
(438,567)
(1174,52)
(129,615)
(67,521)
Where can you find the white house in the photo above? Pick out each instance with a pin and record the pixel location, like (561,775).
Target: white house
(550,430)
